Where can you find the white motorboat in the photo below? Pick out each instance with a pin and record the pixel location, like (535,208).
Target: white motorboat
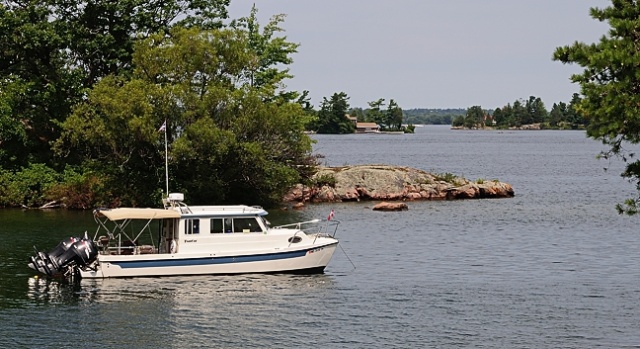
(190,240)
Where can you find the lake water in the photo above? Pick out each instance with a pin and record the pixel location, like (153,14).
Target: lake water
(553,267)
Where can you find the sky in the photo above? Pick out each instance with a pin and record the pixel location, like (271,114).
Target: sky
(432,53)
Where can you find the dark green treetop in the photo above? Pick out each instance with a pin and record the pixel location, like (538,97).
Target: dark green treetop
(332,116)
(52,52)
(610,86)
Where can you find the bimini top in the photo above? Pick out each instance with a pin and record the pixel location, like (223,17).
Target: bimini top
(117,214)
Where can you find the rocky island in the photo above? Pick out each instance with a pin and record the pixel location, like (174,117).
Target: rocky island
(391,183)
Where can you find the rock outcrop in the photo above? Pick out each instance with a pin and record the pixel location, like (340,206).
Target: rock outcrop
(392,183)
(390,206)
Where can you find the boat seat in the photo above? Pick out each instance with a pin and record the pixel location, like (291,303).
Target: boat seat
(146,249)
(104,241)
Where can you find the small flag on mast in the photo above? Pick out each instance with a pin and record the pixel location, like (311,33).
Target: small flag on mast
(331,214)
(163,128)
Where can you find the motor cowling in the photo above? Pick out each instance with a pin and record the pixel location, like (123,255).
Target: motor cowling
(68,254)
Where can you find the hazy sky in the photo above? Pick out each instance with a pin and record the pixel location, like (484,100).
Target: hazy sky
(432,53)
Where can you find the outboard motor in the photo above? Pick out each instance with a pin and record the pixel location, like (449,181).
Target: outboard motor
(70,253)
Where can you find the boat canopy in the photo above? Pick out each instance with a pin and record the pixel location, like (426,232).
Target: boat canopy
(117,214)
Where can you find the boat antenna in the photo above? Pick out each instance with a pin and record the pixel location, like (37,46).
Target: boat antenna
(163,129)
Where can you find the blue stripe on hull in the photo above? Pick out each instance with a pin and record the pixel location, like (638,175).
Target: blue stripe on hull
(212,260)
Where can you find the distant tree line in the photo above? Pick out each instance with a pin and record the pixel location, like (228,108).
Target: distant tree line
(521,113)
(334,116)
(432,116)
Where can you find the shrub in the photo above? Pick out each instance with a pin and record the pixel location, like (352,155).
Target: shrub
(327,179)
(410,129)
(79,190)
(446,177)
(27,186)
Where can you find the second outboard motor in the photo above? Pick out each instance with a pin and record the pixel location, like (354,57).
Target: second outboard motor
(70,253)
(81,253)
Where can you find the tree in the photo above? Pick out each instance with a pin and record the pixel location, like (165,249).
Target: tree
(13,135)
(374,113)
(99,35)
(271,52)
(54,51)
(574,117)
(458,121)
(610,86)
(519,114)
(40,88)
(226,144)
(536,111)
(332,117)
(500,115)
(393,116)
(358,113)
(474,117)
(558,114)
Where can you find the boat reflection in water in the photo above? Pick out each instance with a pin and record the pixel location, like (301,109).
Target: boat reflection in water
(178,290)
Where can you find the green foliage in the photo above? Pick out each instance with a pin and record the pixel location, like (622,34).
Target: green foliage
(609,86)
(80,190)
(332,117)
(13,135)
(474,117)
(230,140)
(326,179)
(446,177)
(389,119)
(432,116)
(26,187)
(533,111)
(53,51)
(458,121)
(40,88)
(393,116)
(410,129)
(375,113)
(358,113)
(271,52)
(565,116)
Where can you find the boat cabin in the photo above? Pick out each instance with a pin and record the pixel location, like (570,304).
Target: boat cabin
(180,229)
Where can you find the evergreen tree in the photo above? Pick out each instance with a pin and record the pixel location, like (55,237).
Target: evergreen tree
(375,114)
(610,84)
(394,116)
(536,111)
(332,117)
(558,114)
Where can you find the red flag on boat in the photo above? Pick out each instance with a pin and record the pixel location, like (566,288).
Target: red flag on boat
(331,214)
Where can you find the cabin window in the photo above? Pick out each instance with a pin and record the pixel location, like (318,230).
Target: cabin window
(246,225)
(216,226)
(192,226)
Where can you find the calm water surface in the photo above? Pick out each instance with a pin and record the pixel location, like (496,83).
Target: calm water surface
(553,267)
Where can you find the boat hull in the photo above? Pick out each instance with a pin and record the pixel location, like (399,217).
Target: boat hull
(308,260)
